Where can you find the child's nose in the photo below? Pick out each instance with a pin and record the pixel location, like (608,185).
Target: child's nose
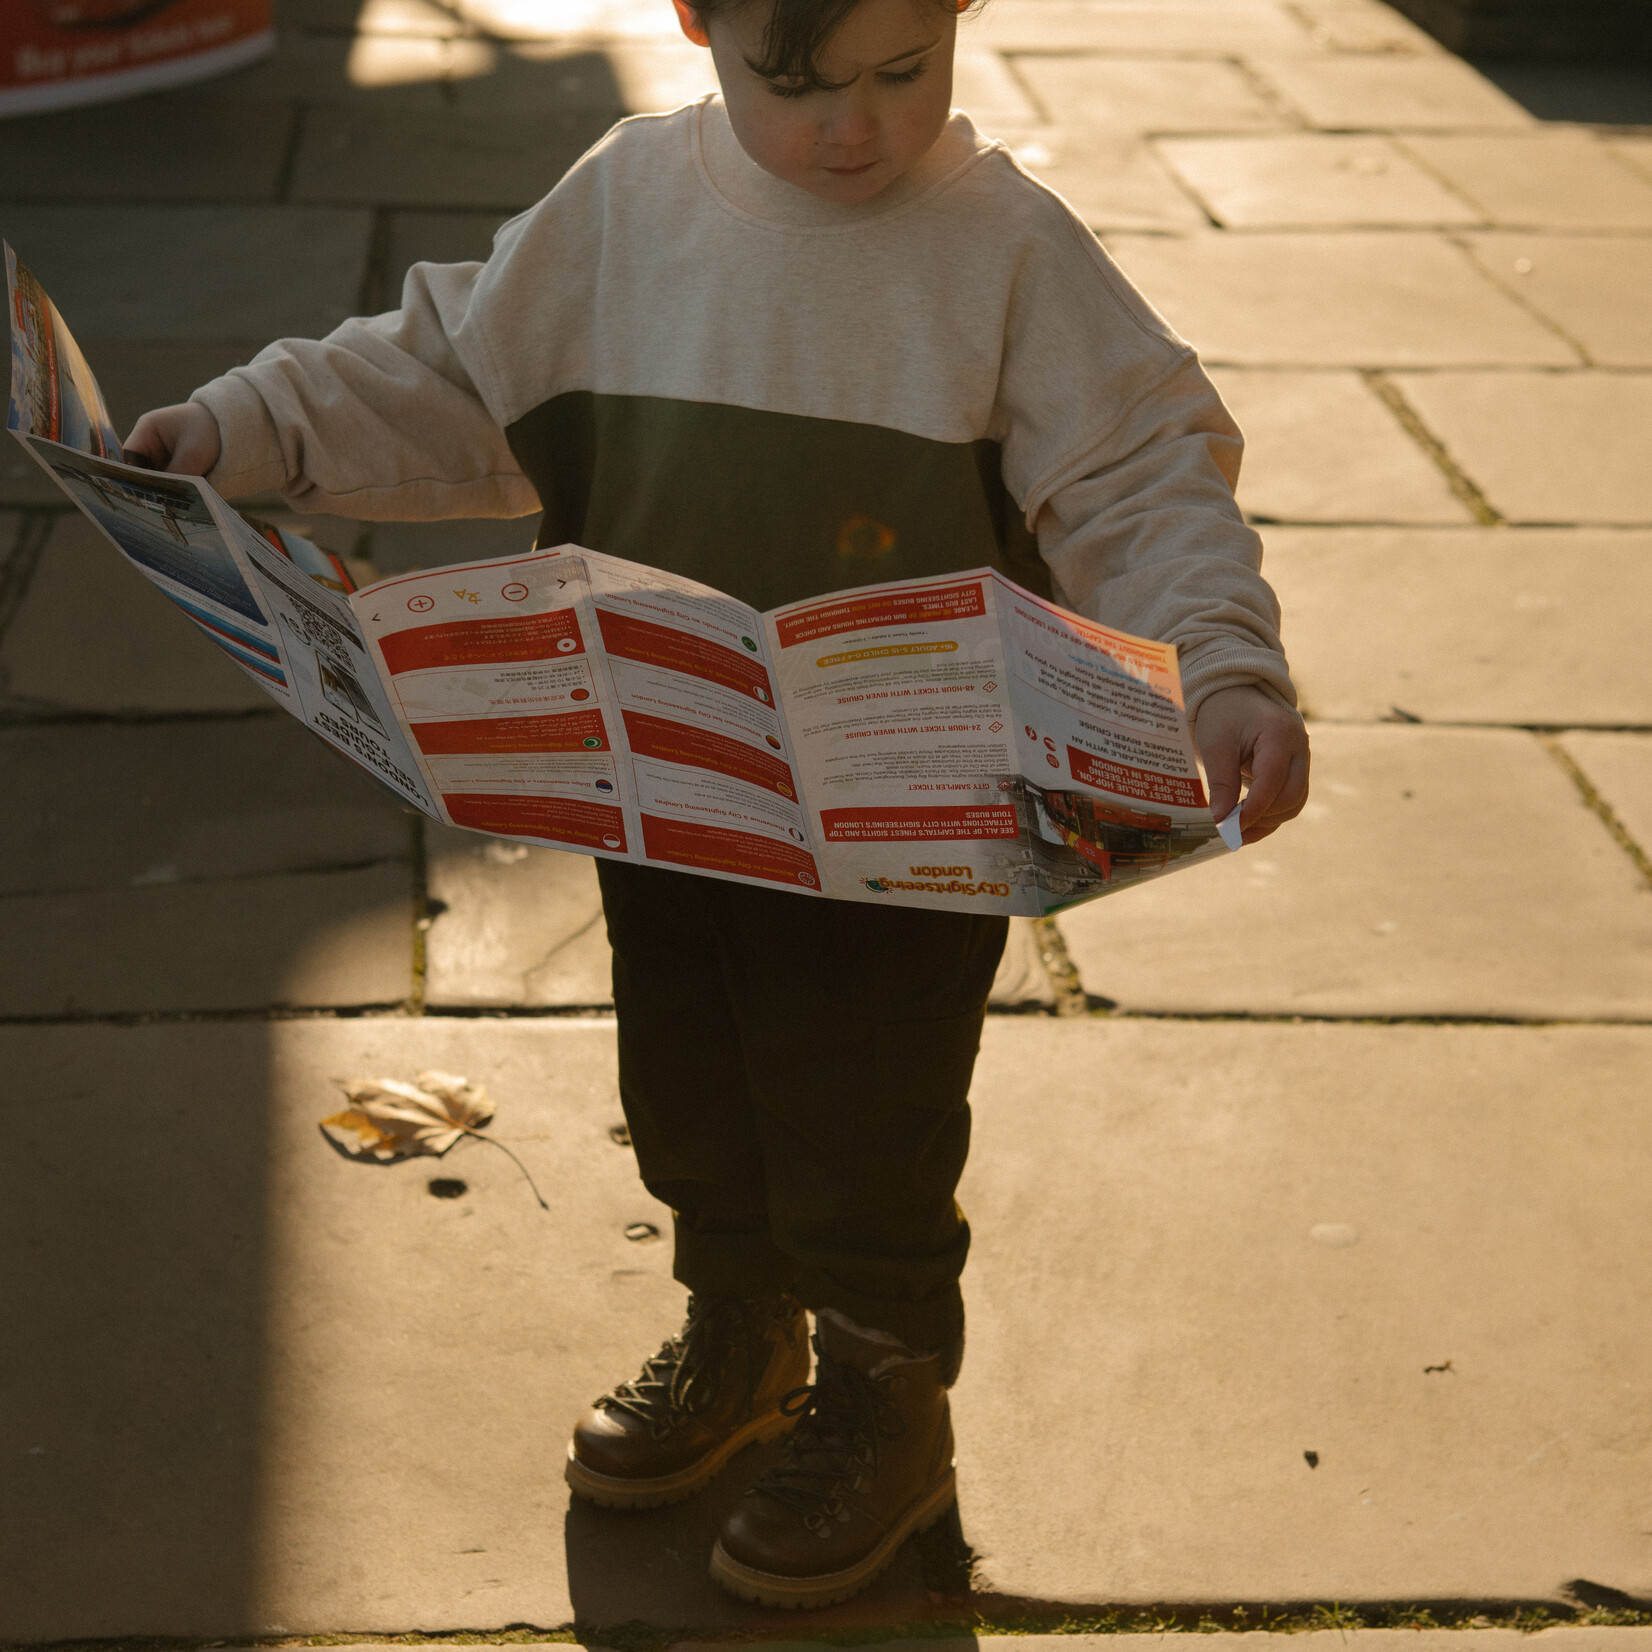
(851,121)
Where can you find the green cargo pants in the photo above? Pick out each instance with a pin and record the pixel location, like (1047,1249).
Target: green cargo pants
(795,1076)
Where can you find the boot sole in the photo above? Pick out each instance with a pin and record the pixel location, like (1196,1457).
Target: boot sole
(771,1589)
(613,1492)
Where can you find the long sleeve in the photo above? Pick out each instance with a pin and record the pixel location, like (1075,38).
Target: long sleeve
(1124,460)
(1146,536)
(384,419)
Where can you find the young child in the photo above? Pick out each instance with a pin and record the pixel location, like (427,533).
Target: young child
(809,335)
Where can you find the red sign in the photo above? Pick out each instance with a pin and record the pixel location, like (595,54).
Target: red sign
(556,819)
(718,849)
(649,644)
(484,641)
(919,825)
(1143,784)
(55,54)
(877,610)
(678,743)
(567,731)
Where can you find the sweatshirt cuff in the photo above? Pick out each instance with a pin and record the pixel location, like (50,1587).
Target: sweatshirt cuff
(1216,666)
(249,453)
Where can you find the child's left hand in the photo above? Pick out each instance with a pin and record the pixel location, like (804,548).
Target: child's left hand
(1243,732)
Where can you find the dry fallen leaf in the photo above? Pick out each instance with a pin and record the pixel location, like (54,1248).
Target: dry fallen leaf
(389,1119)
(392,1119)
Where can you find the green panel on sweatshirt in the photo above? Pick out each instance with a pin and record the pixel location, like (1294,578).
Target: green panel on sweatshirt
(769,507)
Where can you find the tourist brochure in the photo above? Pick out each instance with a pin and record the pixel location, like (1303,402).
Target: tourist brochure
(955,743)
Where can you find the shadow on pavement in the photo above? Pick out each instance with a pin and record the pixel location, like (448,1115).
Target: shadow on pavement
(132,1221)
(1589,95)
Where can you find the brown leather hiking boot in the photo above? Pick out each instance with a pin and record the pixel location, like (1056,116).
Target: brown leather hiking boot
(869,1463)
(714,1387)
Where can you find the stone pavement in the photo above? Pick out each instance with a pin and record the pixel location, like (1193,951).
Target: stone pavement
(1310,1214)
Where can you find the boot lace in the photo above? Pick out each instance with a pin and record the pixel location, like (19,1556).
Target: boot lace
(685,1377)
(833,1452)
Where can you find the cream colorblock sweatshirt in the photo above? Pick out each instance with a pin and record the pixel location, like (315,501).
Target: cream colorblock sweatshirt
(678,359)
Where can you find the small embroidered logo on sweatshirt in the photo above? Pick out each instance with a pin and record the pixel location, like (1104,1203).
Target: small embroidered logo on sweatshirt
(864,539)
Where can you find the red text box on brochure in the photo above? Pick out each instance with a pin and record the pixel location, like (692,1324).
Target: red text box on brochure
(993,820)
(1125,781)
(505,641)
(555,819)
(569,731)
(879,609)
(630,638)
(718,849)
(678,743)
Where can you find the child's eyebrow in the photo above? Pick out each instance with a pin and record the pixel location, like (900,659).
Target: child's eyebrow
(901,57)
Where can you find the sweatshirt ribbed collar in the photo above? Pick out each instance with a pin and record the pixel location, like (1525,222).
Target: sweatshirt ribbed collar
(743,185)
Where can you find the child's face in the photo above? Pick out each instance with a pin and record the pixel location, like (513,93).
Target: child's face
(890,65)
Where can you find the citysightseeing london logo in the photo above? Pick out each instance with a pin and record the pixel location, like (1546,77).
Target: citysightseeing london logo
(948,880)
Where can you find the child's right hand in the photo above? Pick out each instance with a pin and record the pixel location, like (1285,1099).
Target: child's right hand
(182,439)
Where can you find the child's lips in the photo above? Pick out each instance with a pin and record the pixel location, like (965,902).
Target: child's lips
(851,171)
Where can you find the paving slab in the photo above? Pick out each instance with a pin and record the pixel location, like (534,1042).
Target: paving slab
(21,480)
(136,377)
(134,1204)
(337,16)
(522,927)
(1364,26)
(194,275)
(1146,95)
(1434,872)
(985,84)
(340,1400)
(314,940)
(1593,286)
(1635,151)
(1545,447)
(536,77)
(1524,626)
(425,72)
(1358,299)
(397,547)
(148,149)
(1556,180)
(1320,447)
(111,806)
(1619,766)
(1371,93)
(656,75)
(418,1363)
(1112,181)
(518,926)
(436,238)
(1268,1234)
(419,18)
(550,19)
(1312,180)
(341,67)
(398,158)
(92,635)
(1200,28)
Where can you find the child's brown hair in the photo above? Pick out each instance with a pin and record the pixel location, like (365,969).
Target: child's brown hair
(796,32)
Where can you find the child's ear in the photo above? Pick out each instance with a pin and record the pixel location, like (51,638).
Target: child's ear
(689,20)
